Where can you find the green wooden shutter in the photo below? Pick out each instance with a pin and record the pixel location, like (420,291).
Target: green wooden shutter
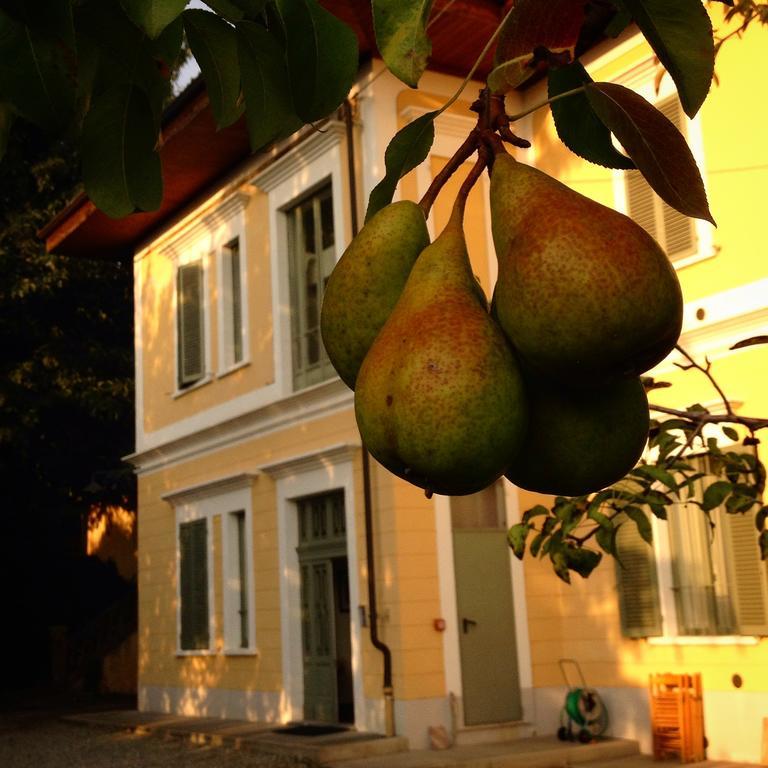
(190,323)
(193,582)
(674,232)
(747,574)
(638,586)
(233,303)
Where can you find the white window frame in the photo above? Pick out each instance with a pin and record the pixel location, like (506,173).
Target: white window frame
(641,79)
(220,497)
(315,161)
(232,229)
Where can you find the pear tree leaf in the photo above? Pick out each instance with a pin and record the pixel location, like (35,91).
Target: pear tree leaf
(401,35)
(51,18)
(661,475)
(34,76)
(322,57)
(715,494)
(214,45)
(760,518)
(153,16)
(762,542)
(606,539)
(578,127)
(620,21)
(680,33)
(641,521)
(238,10)
(751,341)
(655,145)
(409,147)
(516,537)
(7,117)
(167,46)
(582,561)
(536,511)
(731,433)
(532,25)
(268,106)
(121,167)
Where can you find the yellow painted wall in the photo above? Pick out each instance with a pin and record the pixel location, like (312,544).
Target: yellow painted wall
(582,620)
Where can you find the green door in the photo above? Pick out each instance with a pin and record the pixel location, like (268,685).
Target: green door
(486,623)
(325,625)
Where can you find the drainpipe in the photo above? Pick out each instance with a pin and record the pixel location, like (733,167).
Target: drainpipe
(389,699)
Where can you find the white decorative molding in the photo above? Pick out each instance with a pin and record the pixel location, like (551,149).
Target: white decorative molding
(314,146)
(209,488)
(221,214)
(307,462)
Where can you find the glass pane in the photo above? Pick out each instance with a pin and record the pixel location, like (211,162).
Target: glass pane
(326,220)
(478,510)
(308,226)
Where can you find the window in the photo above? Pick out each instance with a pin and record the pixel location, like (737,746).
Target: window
(237,613)
(193,586)
(696,580)
(312,256)
(190,323)
(675,232)
(232,305)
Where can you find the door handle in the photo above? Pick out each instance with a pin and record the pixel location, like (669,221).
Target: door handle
(467,623)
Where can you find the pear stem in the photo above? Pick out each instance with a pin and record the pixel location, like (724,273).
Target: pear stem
(464,152)
(466,187)
(524,113)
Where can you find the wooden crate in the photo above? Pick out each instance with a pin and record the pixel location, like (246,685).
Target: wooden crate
(677,717)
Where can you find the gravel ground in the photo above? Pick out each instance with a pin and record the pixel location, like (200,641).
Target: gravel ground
(41,740)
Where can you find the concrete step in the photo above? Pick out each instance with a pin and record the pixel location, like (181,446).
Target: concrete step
(493,734)
(535,752)
(333,748)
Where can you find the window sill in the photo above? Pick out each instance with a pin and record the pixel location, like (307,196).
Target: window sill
(232,368)
(695,258)
(705,640)
(192,387)
(240,652)
(202,652)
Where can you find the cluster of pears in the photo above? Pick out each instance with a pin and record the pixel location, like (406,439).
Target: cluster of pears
(542,386)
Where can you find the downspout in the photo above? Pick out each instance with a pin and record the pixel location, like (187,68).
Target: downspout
(389,700)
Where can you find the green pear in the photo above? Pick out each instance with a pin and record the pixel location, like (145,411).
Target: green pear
(582,289)
(580,440)
(367,282)
(439,398)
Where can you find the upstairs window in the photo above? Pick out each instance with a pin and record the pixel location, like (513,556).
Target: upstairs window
(675,232)
(232,304)
(190,323)
(312,256)
(696,579)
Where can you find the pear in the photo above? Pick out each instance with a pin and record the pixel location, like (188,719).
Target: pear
(366,283)
(439,398)
(580,440)
(582,290)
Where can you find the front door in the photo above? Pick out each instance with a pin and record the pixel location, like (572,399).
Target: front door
(486,622)
(325,617)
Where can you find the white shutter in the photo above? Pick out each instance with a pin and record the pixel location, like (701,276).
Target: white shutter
(747,573)
(191,349)
(674,232)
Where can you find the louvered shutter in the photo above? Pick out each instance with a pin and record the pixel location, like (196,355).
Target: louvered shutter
(747,574)
(637,583)
(674,232)
(190,323)
(193,585)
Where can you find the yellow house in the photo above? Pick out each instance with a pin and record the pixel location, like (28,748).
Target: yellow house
(255,549)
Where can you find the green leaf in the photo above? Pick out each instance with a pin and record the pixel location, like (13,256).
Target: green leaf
(322,57)
(409,147)
(33,76)
(731,433)
(599,518)
(238,10)
(268,106)
(581,560)
(641,521)
(606,539)
(516,536)
(536,511)
(578,127)
(738,503)
(121,168)
(538,540)
(401,36)
(153,16)
(715,494)
(655,145)
(760,518)
(660,474)
(751,341)
(214,45)
(762,542)
(7,117)
(680,33)
(510,74)
(167,46)
(619,22)
(51,18)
